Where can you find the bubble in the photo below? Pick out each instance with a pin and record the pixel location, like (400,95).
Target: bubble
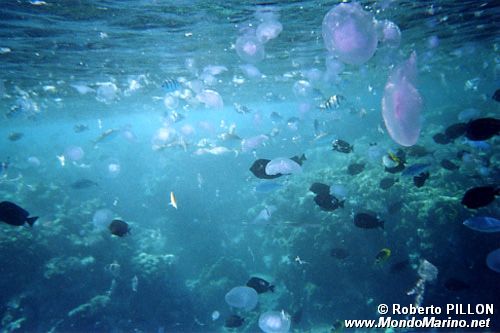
(349,33)
(242,297)
(268,30)
(101,218)
(249,49)
(274,322)
(74,153)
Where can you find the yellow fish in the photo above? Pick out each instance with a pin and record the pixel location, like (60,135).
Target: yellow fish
(394,157)
(173,202)
(382,256)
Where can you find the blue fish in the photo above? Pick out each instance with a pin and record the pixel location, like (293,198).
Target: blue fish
(267,187)
(171,85)
(483,224)
(479,145)
(415,169)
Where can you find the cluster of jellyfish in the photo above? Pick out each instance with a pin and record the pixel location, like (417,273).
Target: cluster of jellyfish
(246,298)
(352,35)
(250,44)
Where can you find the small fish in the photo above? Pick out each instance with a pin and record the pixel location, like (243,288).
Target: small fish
(241,109)
(355,168)
(233,321)
(134,283)
(483,224)
(333,102)
(299,159)
(328,202)
(367,221)
(342,146)
(15,136)
(83,184)
(382,256)
(480,196)
(320,188)
(12,214)
(171,85)
(420,179)
(106,136)
(260,285)
(339,253)
(448,165)
(78,128)
(119,228)
(441,138)
(173,201)
(496,95)
(387,182)
(482,129)
(455,131)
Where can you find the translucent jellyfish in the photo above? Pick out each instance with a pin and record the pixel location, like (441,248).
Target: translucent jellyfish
(113,168)
(282,165)
(402,103)
(107,92)
(302,89)
(349,33)
(74,153)
(251,71)
(433,42)
(250,49)
(253,143)
(211,99)
(34,161)
(274,322)
(427,271)
(493,260)
(102,218)
(389,33)
(242,298)
(268,30)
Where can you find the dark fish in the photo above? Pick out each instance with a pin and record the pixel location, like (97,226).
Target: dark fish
(481,196)
(299,159)
(453,284)
(171,85)
(441,139)
(342,146)
(78,128)
(482,129)
(339,253)
(400,266)
(496,95)
(449,165)
(398,168)
(15,136)
(355,168)
(455,131)
(367,221)
(328,202)
(387,182)
(260,285)
(12,214)
(242,109)
(320,188)
(119,228)
(333,102)
(418,151)
(258,168)
(83,183)
(419,180)
(233,321)
(275,116)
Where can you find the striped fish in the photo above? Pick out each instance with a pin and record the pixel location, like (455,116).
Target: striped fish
(171,85)
(333,102)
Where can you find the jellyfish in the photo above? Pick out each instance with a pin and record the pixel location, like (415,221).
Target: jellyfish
(349,33)
(282,165)
(493,260)
(107,92)
(211,99)
(268,30)
(101,218)
(251,71)
(250,49)
(389,33)
(74,153)
(242,298)
(402,103)
(274,322)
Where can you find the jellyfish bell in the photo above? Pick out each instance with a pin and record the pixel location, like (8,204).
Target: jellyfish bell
(74,153)
(101,218)
(268,30)
(249,49)
(274,322)
(242,297)
(349,33)
(388,33)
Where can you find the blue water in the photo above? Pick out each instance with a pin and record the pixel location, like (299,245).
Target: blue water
(100,65)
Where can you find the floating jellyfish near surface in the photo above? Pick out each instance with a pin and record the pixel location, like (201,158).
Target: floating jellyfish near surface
(274,322)
(282,165)
(349,33)
(242,298)
(493,260)
(402,103)
(250,49)
(74,153)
